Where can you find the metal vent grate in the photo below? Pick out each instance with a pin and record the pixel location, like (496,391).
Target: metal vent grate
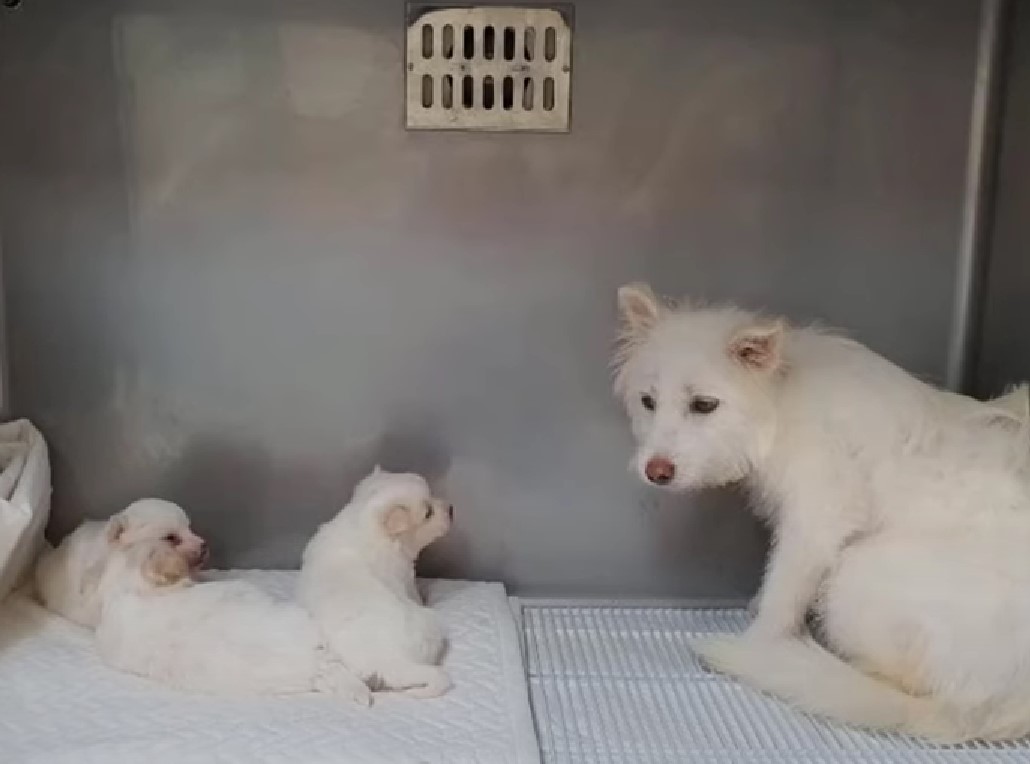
(619,685)
(488,68)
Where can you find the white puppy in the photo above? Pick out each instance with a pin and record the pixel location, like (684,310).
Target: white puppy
(220,637)
(900,514)
(66,577)
(358,581)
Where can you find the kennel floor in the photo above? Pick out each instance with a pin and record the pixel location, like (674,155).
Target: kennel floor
(616,684)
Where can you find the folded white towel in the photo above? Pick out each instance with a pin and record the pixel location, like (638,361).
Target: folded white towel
(24,500)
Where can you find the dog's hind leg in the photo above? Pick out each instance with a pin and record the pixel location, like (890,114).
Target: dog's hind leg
(416,679)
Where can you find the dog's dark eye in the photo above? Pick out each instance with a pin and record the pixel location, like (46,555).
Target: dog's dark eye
(703,405)
(429,511)
(647,401)
(173,538)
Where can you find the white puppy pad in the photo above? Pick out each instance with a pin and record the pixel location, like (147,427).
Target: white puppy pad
(59,703)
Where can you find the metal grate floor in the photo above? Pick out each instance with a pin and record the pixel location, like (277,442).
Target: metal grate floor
(619,684)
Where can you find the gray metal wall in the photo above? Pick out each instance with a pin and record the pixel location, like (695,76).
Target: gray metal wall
(1004,353)
(234,280)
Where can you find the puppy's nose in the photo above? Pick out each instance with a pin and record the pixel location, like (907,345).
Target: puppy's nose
(450,511)
(660,470)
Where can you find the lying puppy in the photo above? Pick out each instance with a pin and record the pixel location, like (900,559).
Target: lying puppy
(900,515)
(219,637)
(66,577)
(358,581)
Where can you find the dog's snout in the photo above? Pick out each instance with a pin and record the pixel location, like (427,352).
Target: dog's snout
(660,470)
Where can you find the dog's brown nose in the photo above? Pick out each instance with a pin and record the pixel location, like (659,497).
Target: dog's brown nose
(660,470)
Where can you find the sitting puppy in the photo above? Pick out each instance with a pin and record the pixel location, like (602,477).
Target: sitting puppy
(219,637)
(66,577)
(358,581)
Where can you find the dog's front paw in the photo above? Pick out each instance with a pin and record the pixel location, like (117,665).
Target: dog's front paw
(765,627)
(713,651)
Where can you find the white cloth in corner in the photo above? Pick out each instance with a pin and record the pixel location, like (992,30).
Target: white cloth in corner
(24,500)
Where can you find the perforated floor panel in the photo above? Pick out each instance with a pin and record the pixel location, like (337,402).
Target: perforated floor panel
(619,684)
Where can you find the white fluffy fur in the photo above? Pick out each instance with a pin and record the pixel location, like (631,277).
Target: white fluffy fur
(358,581)
(219,637)
(901,515)
(66,577)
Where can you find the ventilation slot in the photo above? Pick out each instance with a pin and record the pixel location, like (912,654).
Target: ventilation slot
(511,68)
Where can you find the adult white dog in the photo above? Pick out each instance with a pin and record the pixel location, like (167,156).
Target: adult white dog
(358,581)
(220,637)
(66,577)
(901,515)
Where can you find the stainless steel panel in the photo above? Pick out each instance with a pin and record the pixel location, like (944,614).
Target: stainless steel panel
(234,280)
(1004,353)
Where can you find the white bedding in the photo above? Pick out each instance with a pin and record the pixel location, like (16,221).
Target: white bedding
(24,500)
(59,703)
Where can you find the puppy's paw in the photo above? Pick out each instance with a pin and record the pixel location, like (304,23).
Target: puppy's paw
(361,695)
(437,683)
(340,682)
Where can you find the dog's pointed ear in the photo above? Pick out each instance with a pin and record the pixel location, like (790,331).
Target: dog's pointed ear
(759,346)
(1015,401)
(639,309)
(166,567)
(114,529)
(396,520)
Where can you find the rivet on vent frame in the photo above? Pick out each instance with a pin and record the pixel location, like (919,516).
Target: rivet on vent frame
(489,67)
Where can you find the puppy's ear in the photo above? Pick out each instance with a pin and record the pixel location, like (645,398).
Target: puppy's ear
(396,520)
(166,567)
(639,309)
(116,527)
(759,346)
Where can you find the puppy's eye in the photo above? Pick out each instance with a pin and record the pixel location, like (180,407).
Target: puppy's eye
(648,402)
(702,404)
(429,511)
(173,538)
